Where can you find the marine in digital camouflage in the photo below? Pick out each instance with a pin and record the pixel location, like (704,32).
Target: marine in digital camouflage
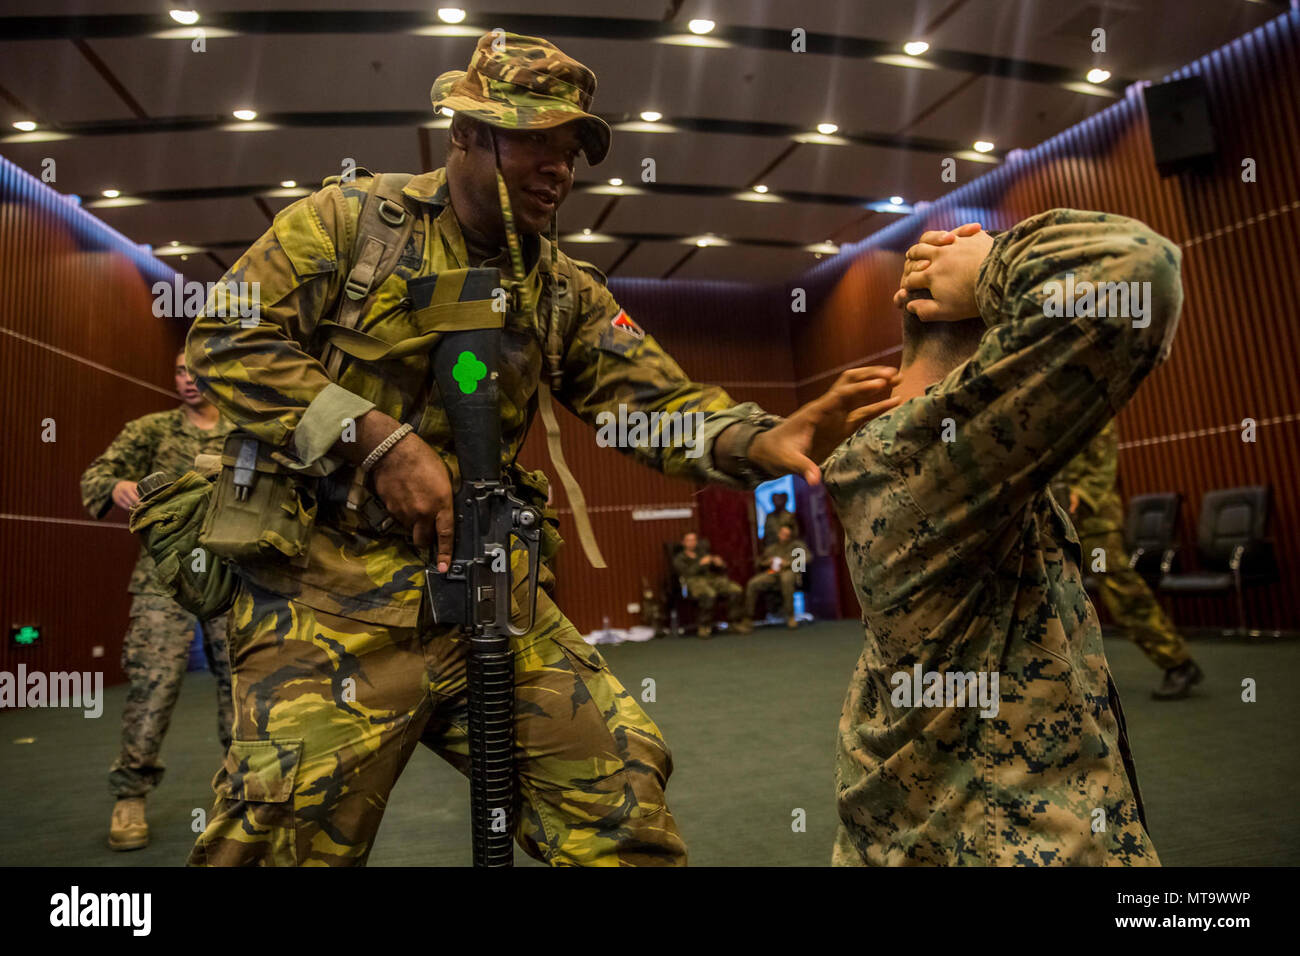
(963,562)
(163,441)
(155,651)
(1092,475)
(521,82)
(786,580)
(155,656)
(704,584)
(776,520)
(309,772)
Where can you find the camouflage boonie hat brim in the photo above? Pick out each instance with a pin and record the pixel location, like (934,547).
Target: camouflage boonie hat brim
(527,84)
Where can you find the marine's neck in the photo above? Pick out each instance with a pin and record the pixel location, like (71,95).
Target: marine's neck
(917,376)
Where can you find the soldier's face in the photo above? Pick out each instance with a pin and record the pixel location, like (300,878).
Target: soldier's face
(538,169)
(185,386)
(784,533)
(688,542)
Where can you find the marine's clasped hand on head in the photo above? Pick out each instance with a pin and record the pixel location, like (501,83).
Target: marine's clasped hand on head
(940,273)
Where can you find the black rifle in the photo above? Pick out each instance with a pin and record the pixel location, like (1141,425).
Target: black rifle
(475,593)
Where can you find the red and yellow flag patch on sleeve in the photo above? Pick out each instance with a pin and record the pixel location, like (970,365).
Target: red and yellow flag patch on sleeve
(624,322)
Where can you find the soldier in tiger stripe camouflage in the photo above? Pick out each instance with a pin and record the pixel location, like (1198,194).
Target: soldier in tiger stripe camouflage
(338,670)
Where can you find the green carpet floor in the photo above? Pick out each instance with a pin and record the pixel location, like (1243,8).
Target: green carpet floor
(751,721)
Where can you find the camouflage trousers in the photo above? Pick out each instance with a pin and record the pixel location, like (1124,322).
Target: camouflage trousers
(706,589)
(155,655)
(329,710)
(1128,599)
(765,581)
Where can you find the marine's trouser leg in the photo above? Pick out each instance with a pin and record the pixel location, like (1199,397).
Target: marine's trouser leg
(787,592)
(758,585)
(701,591)
(591,764)
(735,596)
(1131,604)
(154,656)
(216,650)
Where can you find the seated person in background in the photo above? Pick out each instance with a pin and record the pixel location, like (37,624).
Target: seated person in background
(705,578)
(779,566)
(1089,484)
(968,571)
(779,517)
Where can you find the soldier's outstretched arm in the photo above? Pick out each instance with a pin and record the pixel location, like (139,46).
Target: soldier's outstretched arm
(247,351)
(613,368)
(128,458)
(1044,379)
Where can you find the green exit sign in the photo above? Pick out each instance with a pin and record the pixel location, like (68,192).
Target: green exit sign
(24,635)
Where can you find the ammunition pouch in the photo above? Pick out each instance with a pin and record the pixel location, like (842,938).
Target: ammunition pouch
(260,510)
(168,519)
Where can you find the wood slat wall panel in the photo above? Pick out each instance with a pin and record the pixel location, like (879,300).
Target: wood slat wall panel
(1235,356)
(79,344)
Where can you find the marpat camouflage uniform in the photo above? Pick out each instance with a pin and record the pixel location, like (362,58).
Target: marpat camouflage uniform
(1099,522)
(963,563)
(309,770)
(704,584)
(785,580)
(155,652)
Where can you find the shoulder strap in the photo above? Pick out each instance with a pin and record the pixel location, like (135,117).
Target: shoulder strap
(383,228)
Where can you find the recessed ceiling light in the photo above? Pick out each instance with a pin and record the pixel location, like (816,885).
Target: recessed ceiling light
(826,129)
(288,183)
(25,125)
(760,188)
(1098,75)
(701,26)
(915,48)
(586,232)
(111,193)
(616,182)
(983,146)
(651,116)
(451,14)
(187,17)
(245,115)
(175,242)
(896,200)
(185,258)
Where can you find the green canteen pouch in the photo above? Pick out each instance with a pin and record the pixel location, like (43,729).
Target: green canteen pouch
(168,519)
(260,510)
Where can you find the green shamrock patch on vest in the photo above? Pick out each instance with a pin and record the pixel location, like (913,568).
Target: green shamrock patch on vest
(468,372)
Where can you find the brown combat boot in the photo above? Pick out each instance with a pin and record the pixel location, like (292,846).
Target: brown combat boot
(1178,681)
(745,626)
(791,623)
(704,631)
(128,831)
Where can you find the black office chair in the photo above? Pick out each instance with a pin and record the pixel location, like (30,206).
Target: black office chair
(1149,532)
(1232,543)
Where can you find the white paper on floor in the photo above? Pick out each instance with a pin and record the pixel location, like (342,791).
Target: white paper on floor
(617,635)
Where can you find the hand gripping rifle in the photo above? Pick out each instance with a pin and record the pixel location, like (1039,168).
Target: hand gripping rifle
(475,593)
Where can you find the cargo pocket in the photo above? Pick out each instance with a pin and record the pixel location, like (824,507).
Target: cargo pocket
(257,788)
